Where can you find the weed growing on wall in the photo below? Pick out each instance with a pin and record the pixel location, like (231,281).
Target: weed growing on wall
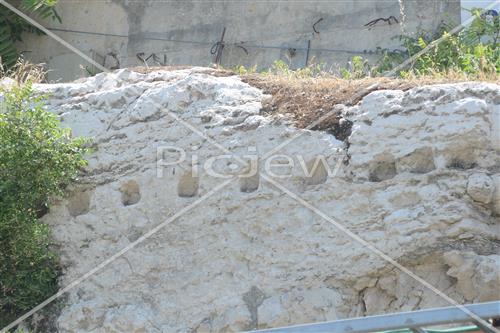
(37,160)
(473,52)
(357,68)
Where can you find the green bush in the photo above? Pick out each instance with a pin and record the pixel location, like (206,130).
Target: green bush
(358,68)
(282,69)
(474,52)
(242,70)
(37,160)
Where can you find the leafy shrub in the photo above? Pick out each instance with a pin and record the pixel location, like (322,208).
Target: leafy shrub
(281,68)
(358,68)
(37,160)
(472,51)
(242,70)
(12,26)
(311,70)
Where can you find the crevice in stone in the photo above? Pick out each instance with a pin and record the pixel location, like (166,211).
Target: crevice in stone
(461,158)
(362,302)
(253,299)
(41,210)
(460,164)
(341,129)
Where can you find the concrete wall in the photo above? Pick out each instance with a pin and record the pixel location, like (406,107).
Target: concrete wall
(184,31)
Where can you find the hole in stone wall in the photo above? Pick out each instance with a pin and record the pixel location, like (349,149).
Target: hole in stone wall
(341,129)
(250,184)
(79,203)
(463,164)
(461,159)
(188,185)
(383,168)
(130,193)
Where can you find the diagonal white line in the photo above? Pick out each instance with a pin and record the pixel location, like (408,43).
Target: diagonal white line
(69,46)
(145,236)
(341,227)
(375,250)
(435,43)
(151,232)
(204,136)
(318,121)
(53,35)
(390,73)
(108,261)
(104,69)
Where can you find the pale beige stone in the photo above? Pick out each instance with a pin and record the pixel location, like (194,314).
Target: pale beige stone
(249,255)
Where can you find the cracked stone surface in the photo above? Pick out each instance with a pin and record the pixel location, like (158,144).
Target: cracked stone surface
(249,255)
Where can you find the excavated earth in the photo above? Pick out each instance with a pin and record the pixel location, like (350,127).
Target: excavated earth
(416,174)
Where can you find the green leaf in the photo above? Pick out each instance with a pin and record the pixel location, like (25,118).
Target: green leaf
(37,159)
(12,26)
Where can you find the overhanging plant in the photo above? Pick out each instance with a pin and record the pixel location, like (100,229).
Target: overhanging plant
(12,26)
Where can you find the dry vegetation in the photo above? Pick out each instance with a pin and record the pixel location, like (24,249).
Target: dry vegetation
(307,99)
(304,98)
(24,71)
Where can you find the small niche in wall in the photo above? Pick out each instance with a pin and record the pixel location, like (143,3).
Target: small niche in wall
(79,203)
(188,185)
(382,168)
(250,184)
(130,193)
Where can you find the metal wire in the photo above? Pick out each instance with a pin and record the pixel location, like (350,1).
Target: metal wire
(241,44)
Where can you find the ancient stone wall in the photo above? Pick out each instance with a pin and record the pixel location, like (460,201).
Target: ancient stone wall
(418,178)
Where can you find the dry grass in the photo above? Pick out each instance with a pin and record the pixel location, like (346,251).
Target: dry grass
(455,76)
(304,98)
(307,99)
(24,71)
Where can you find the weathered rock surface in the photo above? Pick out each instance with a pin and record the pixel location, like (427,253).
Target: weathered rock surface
(418,179)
